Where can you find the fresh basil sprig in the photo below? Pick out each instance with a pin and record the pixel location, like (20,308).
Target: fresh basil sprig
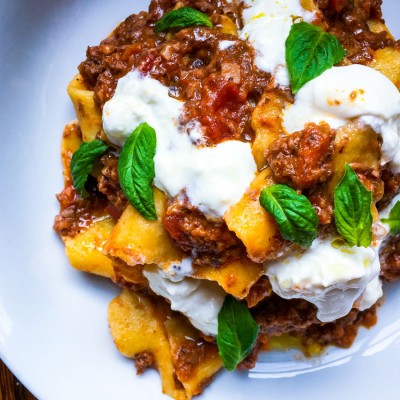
(136,170)
(181,18)
(82,162)
(293,212)
(352,210)
(394,219)
(237,332)
(309,52)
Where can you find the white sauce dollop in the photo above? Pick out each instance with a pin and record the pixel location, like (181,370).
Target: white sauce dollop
(341,94)
(214,178)
(199,300)
(330,277)
(267,24)
(140,99)
(372,293)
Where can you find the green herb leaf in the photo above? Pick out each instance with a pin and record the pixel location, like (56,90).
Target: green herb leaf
(394,219)
(136,170)
(181,18)
(237,332)
(309,52)
(82,162)
(295,215)
(352,210)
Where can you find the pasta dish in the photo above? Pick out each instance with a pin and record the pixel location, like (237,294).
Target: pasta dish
(235,168)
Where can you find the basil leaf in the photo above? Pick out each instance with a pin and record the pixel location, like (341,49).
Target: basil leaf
(309,52)
(352,210)
(293,212)
(82,162)
(237,332)
(181,18)
(394,219)
(136,170)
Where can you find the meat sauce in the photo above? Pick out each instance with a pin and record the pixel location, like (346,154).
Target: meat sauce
(108,185)
(390,258)
(220,86)
(347,20)
(304,159)
(207,241)
(277,317)
(76,212)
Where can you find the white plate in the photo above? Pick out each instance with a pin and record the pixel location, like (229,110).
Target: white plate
(53,326)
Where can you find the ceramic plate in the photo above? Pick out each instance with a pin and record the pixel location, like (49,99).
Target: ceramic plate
(53,320)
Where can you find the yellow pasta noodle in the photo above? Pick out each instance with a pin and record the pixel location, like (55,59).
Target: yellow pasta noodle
(387,62)
(87,112)
(126,275)
(196,371)
(137,326)
(235,276)
(71,140)
(137,240)
(354,144)
(85,250)
(267,124)
(140,324)
(252,224)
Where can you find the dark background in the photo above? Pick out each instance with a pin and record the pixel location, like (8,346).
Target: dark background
(10,388)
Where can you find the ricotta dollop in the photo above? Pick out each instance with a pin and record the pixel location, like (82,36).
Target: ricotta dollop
(342,94)
(267,24)
(372,293)
(199,300)
(214,178)
(330,276)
